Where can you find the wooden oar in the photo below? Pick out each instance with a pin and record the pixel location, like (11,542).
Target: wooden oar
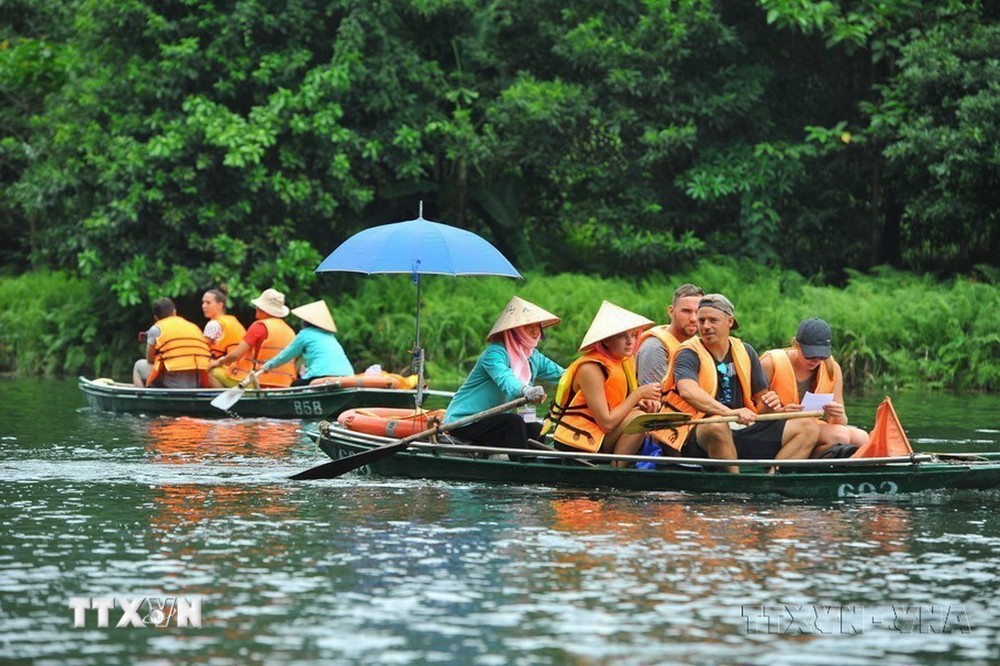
(911,459)
(340,466)
(658,421)
(228,398)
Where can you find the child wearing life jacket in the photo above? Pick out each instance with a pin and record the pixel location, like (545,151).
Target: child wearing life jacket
(598,394)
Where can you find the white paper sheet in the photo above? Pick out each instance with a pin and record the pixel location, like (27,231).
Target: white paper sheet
(814,401)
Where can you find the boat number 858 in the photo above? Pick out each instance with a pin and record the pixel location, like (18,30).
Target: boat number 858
(866,488)
(308,408)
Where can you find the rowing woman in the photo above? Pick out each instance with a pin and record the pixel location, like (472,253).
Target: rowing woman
(316,346)
(509,368)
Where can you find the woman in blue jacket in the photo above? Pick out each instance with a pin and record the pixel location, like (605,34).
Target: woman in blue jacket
(508,369)
(317,346)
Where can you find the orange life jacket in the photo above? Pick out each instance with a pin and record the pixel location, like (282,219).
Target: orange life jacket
(784,384)
(663,334)
(279,336)
(232,335)
(181,346)
(574,422)
(708,379)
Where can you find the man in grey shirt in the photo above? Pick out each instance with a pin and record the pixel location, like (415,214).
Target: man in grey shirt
(660,342)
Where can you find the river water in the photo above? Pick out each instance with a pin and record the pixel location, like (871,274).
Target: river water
(361,570)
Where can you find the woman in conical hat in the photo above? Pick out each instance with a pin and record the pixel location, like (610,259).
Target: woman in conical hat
(598,395)
(317,346)
(508,369)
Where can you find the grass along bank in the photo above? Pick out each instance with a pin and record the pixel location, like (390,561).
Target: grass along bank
(892,330)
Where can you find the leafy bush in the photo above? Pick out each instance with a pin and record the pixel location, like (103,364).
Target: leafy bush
(892,330)
(52,324)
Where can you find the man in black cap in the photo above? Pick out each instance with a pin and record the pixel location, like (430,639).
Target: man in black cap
(715,374)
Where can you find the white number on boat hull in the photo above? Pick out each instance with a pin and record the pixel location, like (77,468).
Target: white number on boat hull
(307,408)
(882,488)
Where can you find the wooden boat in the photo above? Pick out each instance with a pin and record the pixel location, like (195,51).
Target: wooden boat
(303,402)
(808,479)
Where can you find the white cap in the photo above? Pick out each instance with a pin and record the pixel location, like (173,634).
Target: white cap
(272,302)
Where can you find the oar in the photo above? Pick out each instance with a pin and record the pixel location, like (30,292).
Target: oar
(228,398)
(660,420)
(343,465)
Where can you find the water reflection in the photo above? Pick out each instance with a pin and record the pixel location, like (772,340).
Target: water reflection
(191,440)
(666,556)
(368,570)
(212,516)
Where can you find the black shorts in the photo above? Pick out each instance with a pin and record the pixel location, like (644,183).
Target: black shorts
(761,441)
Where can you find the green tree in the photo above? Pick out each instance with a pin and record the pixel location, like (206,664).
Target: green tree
(938,126)
(33,62)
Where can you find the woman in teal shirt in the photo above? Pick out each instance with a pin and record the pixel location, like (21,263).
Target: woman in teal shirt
(506,370)
(317,345)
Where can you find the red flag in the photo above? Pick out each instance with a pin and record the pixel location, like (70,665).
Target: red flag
(887,437)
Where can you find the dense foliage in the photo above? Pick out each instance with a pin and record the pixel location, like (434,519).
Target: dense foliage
(159,148)
(891,330)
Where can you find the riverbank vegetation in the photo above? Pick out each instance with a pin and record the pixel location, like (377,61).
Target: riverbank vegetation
(160,148)
(892,330)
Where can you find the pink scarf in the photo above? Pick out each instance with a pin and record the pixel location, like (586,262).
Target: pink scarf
(519,347)
(602,349)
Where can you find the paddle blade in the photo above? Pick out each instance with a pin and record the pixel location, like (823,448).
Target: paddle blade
(655,421)
(227,399)
(344,465)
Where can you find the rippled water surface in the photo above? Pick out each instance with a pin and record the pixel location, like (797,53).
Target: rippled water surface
(376,571)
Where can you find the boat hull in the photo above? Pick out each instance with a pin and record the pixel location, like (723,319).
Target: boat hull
(831,482)
(304,402)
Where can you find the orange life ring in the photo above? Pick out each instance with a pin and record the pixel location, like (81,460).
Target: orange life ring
(384,380)
(389,421)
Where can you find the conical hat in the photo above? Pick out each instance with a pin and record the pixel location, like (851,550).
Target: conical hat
(519,312)
(316,313)
(612,320)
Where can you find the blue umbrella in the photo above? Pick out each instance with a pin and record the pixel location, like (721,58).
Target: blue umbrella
(418,247)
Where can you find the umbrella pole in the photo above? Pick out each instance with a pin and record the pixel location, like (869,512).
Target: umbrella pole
(418,353)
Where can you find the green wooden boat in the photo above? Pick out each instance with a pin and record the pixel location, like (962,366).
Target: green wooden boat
(806,479)
(303,402)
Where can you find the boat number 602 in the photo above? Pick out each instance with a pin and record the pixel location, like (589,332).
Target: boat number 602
(882,488)
(308,408)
